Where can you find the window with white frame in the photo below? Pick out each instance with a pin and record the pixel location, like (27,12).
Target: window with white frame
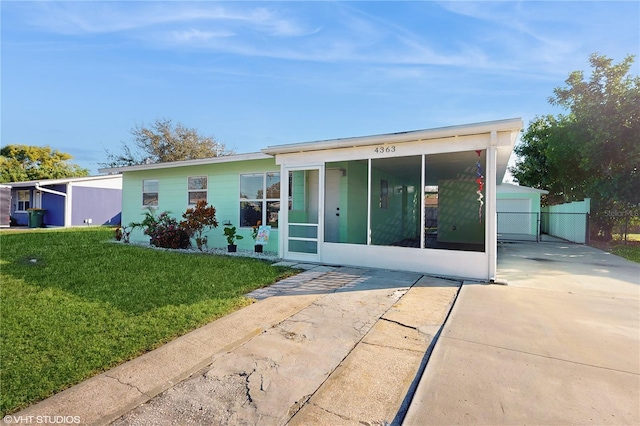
(197,188)
(150,192)
(259,199)
(24,200)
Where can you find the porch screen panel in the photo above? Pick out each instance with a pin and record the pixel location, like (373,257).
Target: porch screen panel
(346,187)
(395,201)
(454,201)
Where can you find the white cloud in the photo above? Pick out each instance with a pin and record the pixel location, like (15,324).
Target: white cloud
(494,36)
(75,18)
(197,36)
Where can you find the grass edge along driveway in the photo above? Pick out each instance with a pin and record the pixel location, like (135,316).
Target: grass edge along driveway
(73,304)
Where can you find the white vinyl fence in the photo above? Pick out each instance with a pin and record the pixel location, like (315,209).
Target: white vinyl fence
(569,221)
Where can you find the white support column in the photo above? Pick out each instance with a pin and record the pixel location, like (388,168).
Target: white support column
(68,209)
(491,207)
(283,216)
(369,188)
(422,201)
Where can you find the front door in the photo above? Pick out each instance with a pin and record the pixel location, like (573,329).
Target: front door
(303,224)
(332,206)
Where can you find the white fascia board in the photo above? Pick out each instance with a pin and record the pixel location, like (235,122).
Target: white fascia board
(186,163)
(505,188)
(64,181)
(514,124)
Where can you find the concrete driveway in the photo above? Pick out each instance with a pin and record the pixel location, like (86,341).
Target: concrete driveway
(559,345)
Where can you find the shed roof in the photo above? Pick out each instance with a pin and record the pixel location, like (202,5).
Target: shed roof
(62,181)
(505,188)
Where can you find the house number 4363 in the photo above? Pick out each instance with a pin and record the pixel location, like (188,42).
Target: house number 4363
(385,149)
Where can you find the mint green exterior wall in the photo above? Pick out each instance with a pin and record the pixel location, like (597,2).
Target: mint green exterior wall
(459,221)
(354,190)
(400,213)
(223,183)
(353,199)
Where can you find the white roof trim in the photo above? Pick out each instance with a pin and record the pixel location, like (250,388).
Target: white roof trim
(513,124)
(185,163)
(61,181)
(506,188)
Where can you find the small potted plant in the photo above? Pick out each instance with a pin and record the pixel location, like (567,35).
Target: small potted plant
(254,234)
(232,236)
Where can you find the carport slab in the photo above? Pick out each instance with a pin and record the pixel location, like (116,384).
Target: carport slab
(491,385)
(512,355)
(580,328)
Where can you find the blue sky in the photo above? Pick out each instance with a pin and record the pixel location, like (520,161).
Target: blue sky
(78,76)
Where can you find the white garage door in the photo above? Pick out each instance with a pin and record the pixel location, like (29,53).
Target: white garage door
(514,216)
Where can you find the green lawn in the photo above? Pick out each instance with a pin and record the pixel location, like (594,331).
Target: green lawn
(73,304)
(628,251)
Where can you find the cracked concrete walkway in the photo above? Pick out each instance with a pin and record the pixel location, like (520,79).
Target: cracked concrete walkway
(328,346)
(349,357)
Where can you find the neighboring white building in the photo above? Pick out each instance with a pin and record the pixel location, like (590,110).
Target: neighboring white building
(519,212)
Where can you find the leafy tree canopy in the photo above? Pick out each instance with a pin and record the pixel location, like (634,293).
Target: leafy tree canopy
(162,142)
(19,163)
(594,150)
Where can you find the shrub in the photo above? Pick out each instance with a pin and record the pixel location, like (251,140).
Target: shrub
(165,231)
(197,220)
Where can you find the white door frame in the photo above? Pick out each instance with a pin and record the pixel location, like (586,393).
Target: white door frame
(37,199)
(284,245)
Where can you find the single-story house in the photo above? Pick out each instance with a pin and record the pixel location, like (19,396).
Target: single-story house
(91,200)
(422,201)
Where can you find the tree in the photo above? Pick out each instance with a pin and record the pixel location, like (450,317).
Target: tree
(594,151)
(19,163)
(162,142)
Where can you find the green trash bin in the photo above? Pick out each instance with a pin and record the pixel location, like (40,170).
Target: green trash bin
(36,217)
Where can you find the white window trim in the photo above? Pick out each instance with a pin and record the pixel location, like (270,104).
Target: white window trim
(143,192)
(205,189)
(263,201)
(23,210)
